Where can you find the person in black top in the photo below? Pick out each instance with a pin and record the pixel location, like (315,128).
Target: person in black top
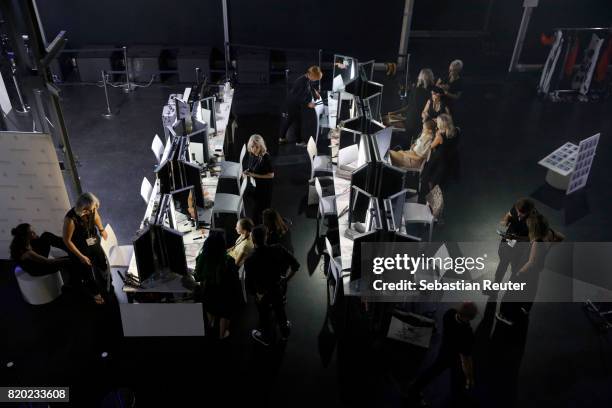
(453,86)
(515,222)
(455,353)
(31,252)
(278,229)
(264,271)
(261,176)
(435,106)
(300,96)
(82,231)
(443,151)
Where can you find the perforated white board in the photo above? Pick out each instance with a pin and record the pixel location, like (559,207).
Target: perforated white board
(32,188)
(584,160)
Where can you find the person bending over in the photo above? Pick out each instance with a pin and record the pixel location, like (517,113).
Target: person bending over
(31,252)
(82,232)
(435,106)
(413,158)
(300,96)
(264,275)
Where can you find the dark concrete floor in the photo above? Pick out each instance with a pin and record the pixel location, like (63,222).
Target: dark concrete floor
(556,361)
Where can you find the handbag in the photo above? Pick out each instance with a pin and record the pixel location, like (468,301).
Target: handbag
(435,200)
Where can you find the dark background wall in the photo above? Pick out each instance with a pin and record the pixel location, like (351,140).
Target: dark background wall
(365,29)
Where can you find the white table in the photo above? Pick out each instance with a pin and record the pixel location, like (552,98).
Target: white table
(176,319)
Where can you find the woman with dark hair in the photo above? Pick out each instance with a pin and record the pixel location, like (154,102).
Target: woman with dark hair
(435,106)
(278,229)
(31,252)
(217,276)
(82,232)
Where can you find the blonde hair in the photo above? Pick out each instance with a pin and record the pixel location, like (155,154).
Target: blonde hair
(86,200)
(316,71)
(457,65)
(445,124)
(257,140)
(429,125)
(425,78)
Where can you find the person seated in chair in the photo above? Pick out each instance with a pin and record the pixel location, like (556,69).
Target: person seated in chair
(413,158)
(31,252)
(409,116)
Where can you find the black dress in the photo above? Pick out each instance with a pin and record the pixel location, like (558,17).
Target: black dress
(223,295)
(261,194)
(432,113)
(417,99)
(454,87)
(96,278)
(437,168)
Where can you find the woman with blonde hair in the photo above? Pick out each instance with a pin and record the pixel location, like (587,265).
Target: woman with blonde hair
(413,158)
(82,231)
(261,176)
(453,86)
(409,117)
(443,152)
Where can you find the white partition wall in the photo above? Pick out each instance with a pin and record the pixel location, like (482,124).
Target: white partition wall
(32,188)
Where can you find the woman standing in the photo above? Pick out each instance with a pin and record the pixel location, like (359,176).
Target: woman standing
(453,86)
(217,275)
(435,106)
(278,229)
(443,149)
(82,231)
(244,245)
(261,176)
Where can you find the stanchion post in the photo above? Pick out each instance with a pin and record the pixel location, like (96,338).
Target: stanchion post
(24,109)
(128,87)
(108,114)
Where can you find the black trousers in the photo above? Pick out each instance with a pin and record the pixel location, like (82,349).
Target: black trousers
(442,363)
(294,117)
(508,256)
(273,300)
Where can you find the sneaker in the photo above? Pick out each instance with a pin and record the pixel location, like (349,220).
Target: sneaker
(504,319)
(301,144)
(258,337)
(285,336)
(282,140)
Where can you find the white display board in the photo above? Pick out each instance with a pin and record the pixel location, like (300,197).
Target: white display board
(562,160)
(551,62)
(32,188)
(5,102)
(584,160)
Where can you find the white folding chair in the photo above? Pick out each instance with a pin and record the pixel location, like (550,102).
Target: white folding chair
(229,203)
(327,205)
(233,170)
(317,163)
(145,190)
(416,213)
(158,148)
(39,290)
(118,256)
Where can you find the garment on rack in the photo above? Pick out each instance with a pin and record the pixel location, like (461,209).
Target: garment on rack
(570,61)
(602,65)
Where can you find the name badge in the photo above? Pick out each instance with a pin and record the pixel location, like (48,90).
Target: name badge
(91,241)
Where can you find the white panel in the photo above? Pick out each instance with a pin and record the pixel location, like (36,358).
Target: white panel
(162,319)
(5,102)
(32,188)
(585,156)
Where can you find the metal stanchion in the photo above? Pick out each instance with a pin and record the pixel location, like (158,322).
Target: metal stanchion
(23,109)
(108,114)
(128,87)
(287,81)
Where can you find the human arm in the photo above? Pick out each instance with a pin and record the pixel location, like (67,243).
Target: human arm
(438,140)
(98,222)
(424,114)
(533,254)
(67,232)
(259,176)
(32,256)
